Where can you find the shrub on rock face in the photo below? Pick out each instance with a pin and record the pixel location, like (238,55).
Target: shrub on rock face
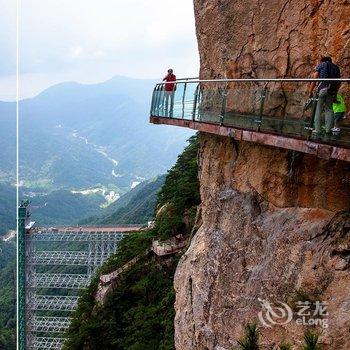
(311,340)
(179,196)
(251,339)
(285,346)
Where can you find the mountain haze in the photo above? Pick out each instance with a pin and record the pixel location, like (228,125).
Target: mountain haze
(82,137)
(64,126)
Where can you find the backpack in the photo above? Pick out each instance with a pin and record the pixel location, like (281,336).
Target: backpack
(333,71)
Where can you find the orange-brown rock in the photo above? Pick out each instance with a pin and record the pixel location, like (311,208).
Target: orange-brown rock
(275,38)
(275,224)
(268,232)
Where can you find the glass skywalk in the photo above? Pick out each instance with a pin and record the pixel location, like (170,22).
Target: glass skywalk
(272,106)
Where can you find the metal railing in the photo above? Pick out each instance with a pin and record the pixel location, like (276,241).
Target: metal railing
(278,106)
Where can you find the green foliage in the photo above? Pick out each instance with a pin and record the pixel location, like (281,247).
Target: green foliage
(169,223)
(7,295)
(311,340)
(285,346)
(181,186)
(131,246)
(180,193)
(63,207)
(7,207)
(251,339)
(7,338)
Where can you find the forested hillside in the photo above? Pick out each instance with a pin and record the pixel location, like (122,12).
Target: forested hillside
(139,313)
(76,136)
(63,207)
(7,295)
(7,207)
(136,206)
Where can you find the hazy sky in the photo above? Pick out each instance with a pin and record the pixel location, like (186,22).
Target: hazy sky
(93,40)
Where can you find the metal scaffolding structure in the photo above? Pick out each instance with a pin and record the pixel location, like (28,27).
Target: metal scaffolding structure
(59,280)
(59,258)
(48,324)
(54,265)
(46,343)
(40,235)
(53,302)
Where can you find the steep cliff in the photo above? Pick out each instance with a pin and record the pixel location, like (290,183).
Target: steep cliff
(268,233)
(275,224)
(273,38)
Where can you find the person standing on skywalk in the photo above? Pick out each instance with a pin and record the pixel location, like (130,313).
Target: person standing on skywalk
(327,92)
(169,91)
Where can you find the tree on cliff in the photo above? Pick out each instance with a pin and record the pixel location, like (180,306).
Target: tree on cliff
(179,197)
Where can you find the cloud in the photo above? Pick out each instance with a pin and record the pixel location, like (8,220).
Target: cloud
(92,40)
(51,29)
(75,52)
(8,38)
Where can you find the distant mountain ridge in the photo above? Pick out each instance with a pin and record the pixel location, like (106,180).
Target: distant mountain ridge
(113,115)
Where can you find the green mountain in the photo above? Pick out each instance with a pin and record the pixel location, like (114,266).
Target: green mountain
(136,206)
(7,142)
(82,137)
(139,312)
(76,136)
(8,295)
(64,208)
(7,208)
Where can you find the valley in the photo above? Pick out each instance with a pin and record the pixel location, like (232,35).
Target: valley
(82,147)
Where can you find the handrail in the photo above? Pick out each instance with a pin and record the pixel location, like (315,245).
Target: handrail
(186,79)
(237,80)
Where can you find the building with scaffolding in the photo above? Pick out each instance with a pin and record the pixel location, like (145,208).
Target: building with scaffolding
(55,264)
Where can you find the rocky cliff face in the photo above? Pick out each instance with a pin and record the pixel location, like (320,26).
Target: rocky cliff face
(275,224)
(275,38)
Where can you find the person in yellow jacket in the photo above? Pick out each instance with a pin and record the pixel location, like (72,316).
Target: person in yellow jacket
(339,110)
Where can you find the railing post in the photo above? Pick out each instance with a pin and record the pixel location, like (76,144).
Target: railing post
(314,106)
(160,100)
(262,102)
(195,102)
(183,100)
(156,102)
(223,105)
(154,94)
